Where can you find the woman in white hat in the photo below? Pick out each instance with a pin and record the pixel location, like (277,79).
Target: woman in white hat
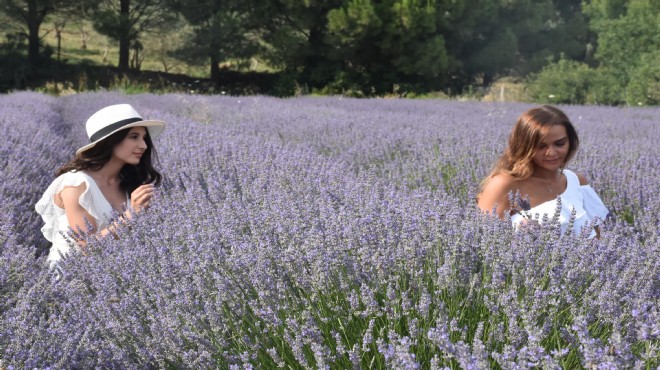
(107,181)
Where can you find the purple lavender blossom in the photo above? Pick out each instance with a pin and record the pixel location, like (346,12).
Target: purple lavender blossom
(329,233)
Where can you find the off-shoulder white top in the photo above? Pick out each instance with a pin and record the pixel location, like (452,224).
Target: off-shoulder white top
(56,228)
(589,208)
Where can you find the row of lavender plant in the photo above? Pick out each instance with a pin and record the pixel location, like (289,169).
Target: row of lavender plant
(33,142)
(332,233)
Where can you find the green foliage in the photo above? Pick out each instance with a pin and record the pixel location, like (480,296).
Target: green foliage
(605,9)
(563,82)
(499,54)
(296,36)
(623,41)
(386,43)
(30,14)
(373,47)
(627,54)
(125,21)
(605,88)
(628,44)
(112,24)
(572,82)
(285,85)
(416,22)
(14,70)
(287,48)
(223,30)
(644,86)
(491,39)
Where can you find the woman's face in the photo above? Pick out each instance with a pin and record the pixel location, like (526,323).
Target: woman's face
(552,151)
(131,149)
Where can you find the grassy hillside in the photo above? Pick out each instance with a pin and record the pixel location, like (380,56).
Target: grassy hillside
(87,60)
(101,50)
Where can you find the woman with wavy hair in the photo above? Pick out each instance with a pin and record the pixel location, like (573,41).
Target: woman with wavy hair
(531,180)
(107,181)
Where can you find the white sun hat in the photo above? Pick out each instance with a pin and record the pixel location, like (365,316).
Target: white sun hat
(115,118)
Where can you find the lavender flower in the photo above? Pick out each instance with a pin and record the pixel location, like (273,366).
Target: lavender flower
(329,233)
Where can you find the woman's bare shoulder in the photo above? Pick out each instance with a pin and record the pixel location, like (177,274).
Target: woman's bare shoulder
(582,178)
(70,195)
(496,193)
(500,184)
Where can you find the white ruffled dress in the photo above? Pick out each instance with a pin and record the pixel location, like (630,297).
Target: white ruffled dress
(56,228)
(589,208)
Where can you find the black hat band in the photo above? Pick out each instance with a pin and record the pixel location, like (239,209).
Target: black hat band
(113,127)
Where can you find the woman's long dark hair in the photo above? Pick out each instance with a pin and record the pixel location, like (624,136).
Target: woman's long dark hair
(131,176)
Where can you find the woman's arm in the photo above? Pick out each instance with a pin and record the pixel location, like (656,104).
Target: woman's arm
(496,193)
(76,215)
(584,181)
(69,199)
(140,199)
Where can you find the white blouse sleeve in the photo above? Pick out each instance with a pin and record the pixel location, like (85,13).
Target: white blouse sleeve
(53,214)
(593,205)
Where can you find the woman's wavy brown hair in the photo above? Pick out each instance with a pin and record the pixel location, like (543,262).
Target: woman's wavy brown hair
(131,176)
(525,138)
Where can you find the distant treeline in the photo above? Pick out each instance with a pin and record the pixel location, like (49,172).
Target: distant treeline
(596,51)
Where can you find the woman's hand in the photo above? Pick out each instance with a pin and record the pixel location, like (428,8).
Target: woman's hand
(140,200)
(141,197)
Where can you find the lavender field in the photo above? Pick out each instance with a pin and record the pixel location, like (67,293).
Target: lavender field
(316,233)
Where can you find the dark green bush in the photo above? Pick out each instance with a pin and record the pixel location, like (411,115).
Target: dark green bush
(605,88)
(572,82)
(644,86)
(565,82)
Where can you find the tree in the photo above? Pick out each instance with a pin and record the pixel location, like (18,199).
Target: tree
(32,14)
(564,82)
(385,44)
(498,55)
(469,27)
(126,20)
(605,9)
(624,41)
(297,35)
(486,39)
(628,40)
(81,12)
(644,85)
(626,72)
(571,34)
(222,30)
(378,44)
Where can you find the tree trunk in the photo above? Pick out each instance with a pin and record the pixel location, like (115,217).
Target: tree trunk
(83,35)
(58,33)
(59,26)
(317,60)
(124,39)
(215,70)
(487,79)
(33,33)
